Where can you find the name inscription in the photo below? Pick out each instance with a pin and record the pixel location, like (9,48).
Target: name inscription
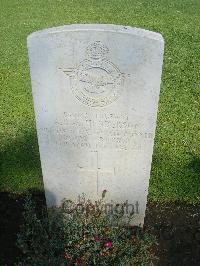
(97,131)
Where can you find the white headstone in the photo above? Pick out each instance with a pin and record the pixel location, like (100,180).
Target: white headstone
(96,91)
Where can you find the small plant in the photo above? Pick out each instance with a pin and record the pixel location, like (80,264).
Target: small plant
(81,233)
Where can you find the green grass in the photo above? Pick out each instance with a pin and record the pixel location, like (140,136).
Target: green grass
(176,161)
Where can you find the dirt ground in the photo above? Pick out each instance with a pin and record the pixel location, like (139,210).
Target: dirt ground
(176,226)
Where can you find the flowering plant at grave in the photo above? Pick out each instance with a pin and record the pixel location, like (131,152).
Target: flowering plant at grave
(81,233)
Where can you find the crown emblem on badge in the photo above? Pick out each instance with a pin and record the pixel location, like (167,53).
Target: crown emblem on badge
(97,50)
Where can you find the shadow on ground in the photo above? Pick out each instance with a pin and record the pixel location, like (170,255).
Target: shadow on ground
(176,226)
(177,229)
(20,163)
(11,217)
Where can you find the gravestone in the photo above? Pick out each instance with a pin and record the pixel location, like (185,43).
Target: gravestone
(96,91)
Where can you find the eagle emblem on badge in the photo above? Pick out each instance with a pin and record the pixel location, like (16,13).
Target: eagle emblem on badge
(96,81)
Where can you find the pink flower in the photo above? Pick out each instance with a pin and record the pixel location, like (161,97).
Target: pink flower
(108,244)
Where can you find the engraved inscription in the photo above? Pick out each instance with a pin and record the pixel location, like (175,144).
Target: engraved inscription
(96,82)
(97,131)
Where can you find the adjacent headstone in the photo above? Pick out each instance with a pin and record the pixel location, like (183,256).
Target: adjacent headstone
(96,91)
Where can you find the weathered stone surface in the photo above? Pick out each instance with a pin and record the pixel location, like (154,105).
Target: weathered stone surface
(96,91)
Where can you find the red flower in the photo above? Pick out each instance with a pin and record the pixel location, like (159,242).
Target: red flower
(78,261)
(108,244)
